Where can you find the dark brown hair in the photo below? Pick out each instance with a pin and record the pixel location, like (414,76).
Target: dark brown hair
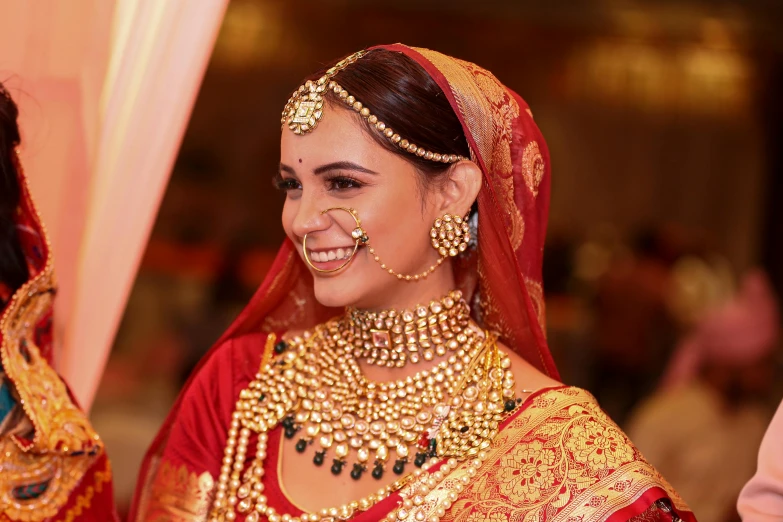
(13,269)
(402,94)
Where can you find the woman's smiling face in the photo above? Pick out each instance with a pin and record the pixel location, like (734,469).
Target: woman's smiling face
(340,165)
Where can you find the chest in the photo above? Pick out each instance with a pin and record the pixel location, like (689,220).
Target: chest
(306,486)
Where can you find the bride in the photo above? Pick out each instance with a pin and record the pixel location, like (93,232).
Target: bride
(393,365)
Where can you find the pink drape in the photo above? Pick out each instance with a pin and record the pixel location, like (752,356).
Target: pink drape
(106,88)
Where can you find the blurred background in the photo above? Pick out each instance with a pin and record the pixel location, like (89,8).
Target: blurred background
(665,125)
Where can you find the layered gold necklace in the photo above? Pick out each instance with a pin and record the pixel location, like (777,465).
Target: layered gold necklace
(315,390)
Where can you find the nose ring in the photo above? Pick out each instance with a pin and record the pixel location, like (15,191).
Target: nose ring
(358,234)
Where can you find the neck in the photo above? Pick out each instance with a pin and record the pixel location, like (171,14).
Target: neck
(407,294)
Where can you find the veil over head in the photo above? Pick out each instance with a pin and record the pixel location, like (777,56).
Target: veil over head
(504,274)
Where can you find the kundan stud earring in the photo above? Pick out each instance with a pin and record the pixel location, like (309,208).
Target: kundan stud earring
(450,235)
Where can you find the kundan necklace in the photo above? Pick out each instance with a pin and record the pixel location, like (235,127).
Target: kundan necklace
(315,390)
(392,338)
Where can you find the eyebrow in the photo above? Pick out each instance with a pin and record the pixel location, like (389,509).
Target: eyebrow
(337,165)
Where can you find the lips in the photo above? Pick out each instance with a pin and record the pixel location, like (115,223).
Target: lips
(324,256)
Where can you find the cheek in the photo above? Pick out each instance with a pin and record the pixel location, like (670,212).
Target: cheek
(287,217)
(397,223)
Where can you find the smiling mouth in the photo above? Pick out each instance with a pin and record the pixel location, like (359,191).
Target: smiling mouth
(324,256)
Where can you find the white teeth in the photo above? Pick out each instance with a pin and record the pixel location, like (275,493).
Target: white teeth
(330,255)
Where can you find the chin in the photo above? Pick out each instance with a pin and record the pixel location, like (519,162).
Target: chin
(332,293)
(349,286)
(346,288)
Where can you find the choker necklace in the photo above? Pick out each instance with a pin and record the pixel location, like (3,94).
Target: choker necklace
(391,338)
(315,391)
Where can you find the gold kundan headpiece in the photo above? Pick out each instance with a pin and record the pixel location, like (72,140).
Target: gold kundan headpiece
(305,109)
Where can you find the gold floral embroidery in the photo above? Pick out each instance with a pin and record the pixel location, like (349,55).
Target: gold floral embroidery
(559,459)
(490,312)
(492,517)
(178,495)
(536,293)
(527,471)
(490,112)
(533,167)
(599,446)
(505,113)
(25,469)
(515,222)
(490,86)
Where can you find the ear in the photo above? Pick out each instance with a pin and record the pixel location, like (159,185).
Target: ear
(461,188)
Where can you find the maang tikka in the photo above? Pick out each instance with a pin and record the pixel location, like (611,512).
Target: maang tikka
(305,108)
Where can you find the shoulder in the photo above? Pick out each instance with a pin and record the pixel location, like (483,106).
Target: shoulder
(242,354)
(200,418)
(527,377)
(579,456)
(228,367)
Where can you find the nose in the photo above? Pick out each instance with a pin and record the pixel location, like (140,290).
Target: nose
(308,217)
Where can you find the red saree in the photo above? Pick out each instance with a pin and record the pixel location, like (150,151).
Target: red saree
(55,467)
(557,458)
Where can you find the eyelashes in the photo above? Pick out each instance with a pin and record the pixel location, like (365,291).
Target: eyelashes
(342,182)
(333,182)
(285,184)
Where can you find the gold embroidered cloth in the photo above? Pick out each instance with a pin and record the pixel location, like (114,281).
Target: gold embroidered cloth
(560,459)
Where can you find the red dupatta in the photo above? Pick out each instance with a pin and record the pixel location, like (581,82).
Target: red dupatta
(63,452)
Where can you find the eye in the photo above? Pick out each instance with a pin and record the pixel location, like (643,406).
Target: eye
(340,183)
(286,184)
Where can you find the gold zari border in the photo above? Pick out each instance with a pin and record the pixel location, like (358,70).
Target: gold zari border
(560,459)
(178,495)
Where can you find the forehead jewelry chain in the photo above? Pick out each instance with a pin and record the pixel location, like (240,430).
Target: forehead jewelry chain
(305,109)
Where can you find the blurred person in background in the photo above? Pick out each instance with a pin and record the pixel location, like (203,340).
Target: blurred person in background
(359,383)
(53,465)
(761,500)
(634,331)
(703,427)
